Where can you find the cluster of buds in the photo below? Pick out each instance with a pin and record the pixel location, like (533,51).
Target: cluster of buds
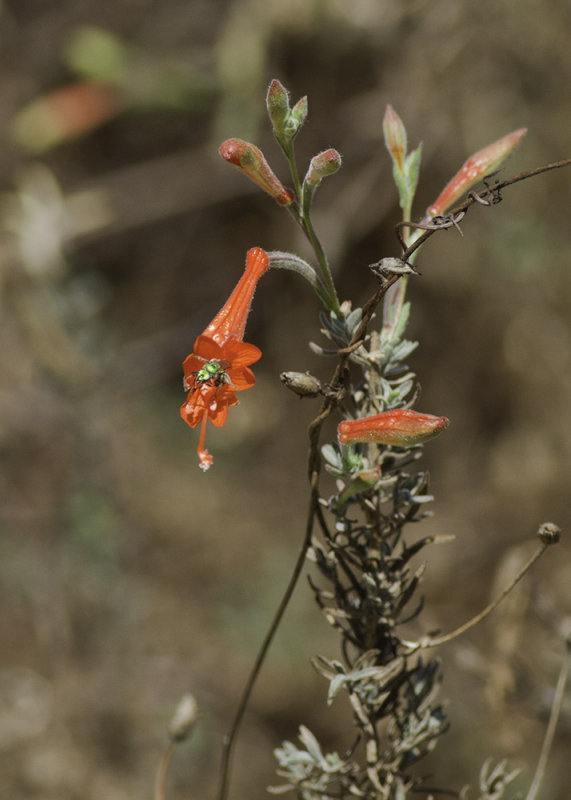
(286,121)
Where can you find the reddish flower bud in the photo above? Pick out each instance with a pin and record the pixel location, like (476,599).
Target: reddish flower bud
(250,160)
(326,163)
(474,169)
(395,136)
(400,428)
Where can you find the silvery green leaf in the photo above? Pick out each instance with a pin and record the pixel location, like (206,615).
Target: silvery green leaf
(403,349)
(423,498)
(334,687)
(402,321)
(398,393)
(332,456)
(354,319)
(286,787)
(321,351)
(327,668)
(308,739)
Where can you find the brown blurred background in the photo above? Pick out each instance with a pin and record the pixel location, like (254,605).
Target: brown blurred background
(128,577)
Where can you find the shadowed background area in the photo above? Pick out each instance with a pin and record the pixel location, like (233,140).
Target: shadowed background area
(128,577)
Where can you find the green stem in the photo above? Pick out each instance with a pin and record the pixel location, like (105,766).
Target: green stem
(301,214)
(320,253)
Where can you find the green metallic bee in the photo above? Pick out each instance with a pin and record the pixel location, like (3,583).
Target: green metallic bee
(212,373)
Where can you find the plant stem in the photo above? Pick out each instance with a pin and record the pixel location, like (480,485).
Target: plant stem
(550,732)
(301,214)
(438,640)
(160,782)
(230,738)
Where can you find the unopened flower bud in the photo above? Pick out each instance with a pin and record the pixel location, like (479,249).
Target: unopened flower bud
(302,383)
(399,428)
(322,165)
(183,719)
(395,137)
(296,118)
(549,533)
(277,103)
(250,160)
(474,169)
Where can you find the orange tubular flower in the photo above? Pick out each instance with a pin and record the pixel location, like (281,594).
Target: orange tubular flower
(399,428)
(219,364)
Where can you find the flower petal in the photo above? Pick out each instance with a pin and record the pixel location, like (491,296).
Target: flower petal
(190,366)
(207,348)
(241,378)
(192,413)
(218,408)
(241,354)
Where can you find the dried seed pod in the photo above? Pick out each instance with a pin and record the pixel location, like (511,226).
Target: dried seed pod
(549,533)
(302,383)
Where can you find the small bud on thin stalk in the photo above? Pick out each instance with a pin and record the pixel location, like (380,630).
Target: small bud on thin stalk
(549,533)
